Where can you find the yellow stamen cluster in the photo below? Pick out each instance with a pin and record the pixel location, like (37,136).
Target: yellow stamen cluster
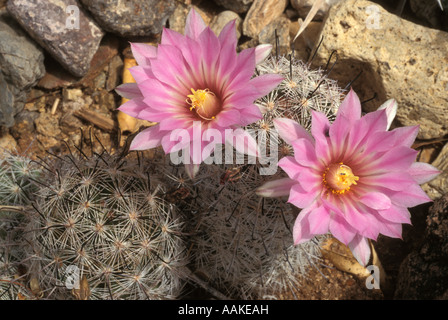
(202,101)
(338,178)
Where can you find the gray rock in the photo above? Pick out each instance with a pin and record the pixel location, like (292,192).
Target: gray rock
(21,66)
(62,28)
(220,20)
(6,103)
(131,17)
(423,274)
(240,6)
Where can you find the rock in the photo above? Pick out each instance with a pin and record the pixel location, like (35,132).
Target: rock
(48,131)
(239,6)
(439,185)
(115,71)
(307,39)
(279,26)
(62,28)
(72,94)
(21,66)
(260,14)
(304,6)
(398,59)
(131,17)
(224,17)
(7,143)
(7,107)
(47,125)
(57,77)
(422,274)
(24,123)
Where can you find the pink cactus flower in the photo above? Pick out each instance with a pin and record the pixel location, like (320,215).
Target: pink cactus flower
(196,78)
(352,178)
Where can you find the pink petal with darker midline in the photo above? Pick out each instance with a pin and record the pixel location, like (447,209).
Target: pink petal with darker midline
(319,220)
(249,115)
(290,166)
(266,83)
(405,136)
(396,159)
(147,139)
(140,73)
(376,200)
(243,70)
(396,214)
(350,108)
(210,48)
(290,131)
(305,153)
(341,230)
(143,52)
(360,248)
(169,68)
(301,229)
(173,38)
(194,24)
(423,172)
(227,118)
(129,91)
(161,96)
(362,132)
(300,197)
(391,180)
(133,107)
(410,197)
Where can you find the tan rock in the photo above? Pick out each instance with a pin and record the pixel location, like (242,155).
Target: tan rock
(7,143)
(307,39)
(224,17)
(71,94)
(279,26)
(48,125)
(304,6)
(260,14)
(398,59)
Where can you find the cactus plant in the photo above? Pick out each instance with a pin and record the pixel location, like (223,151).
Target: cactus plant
(101,222)
(243,243)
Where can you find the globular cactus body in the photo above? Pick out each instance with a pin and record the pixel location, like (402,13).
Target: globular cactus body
(100,224)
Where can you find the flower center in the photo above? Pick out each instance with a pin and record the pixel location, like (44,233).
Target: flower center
(204,103)
(339,178)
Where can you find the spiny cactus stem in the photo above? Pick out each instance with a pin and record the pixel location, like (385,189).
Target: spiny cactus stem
(20,209)
(194,278)
(12,282)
